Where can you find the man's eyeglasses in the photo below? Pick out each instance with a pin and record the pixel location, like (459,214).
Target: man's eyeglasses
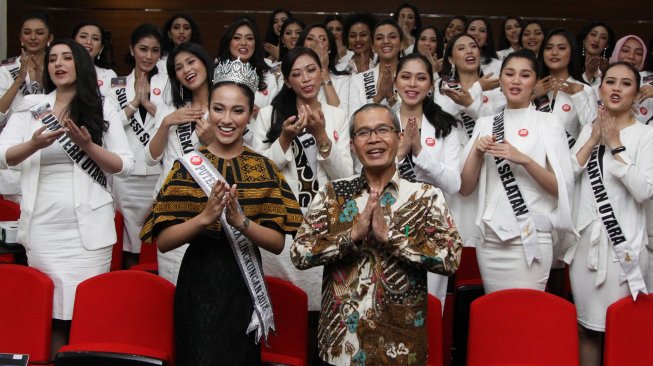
(381,131)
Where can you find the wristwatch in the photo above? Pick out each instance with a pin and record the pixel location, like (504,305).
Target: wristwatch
(325,147)
(244,226)
(327,82)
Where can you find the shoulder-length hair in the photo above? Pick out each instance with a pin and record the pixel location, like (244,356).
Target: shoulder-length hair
(284,104)
(180,94)
(283,50)
(442,121)
(168,44)
(439,47)
(333,48)
(143,31)
(364,18)
(105,58)
(504,43)
(86,107)
(573,67)
(257,60)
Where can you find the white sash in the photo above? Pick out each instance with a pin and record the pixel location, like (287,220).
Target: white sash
(119,85)
(527,228)
(308,144)
(544,104)
(369,85)
(205,174)
(43,113)
(627,258)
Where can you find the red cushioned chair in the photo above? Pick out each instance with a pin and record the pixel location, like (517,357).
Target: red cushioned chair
(121,314)
(290,304)
(522,327)
(25,312)
(116,253)
(9,211)
(628,330)
(147,260)
(468,287)
(434,325)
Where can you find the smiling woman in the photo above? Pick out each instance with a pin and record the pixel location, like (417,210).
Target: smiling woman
(97,42)
(68,144)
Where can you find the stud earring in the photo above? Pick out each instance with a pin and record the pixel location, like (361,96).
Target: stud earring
(452,74)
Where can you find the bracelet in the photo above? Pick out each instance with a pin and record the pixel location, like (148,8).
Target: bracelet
(327,82)
(618,150)
(130,106)
(242,228)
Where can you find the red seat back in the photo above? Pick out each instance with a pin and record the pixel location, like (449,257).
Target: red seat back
(25,312)
(9,211)
(434,324)
(116,254)
(290,305)
(128,307)
(468,272)
(628,330)
(522,326)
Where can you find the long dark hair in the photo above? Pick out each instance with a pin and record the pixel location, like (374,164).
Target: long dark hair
(105,58)
(168,44)
(86,107)
(418,18)
(584,32)
(270,36)
(257,60)
(284,104)
(393,23)
(462,18)
(283,50)
(439,47)
(504,43)
(143,31)
(442,121)
(446,65)
(333,48)
(574,61)
(488,52)
(523,29)
(180,94)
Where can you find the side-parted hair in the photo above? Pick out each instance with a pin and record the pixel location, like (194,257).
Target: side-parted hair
(526,24)
(168,44)
(573,67)
(636,77)
(488,52)
(105,58)
(525,54)
(86,107)
(446,65)
(283,50)
(180,94)
(270,36)
(284,104)
(143,31)
(257,60)
(442,121)
(439,48)
(503,40)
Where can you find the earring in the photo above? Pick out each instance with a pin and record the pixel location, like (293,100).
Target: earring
(452,74)
(98,56)
(582,51)
(181,92)
(605,53)
(48,44)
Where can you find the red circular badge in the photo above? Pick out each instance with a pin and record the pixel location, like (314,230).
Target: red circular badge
(265,92)
(485,99)
(100,83)
(643,111)
(566,107)
(156,91)
(335,135)
(196,160)
(523,132)
(430,141)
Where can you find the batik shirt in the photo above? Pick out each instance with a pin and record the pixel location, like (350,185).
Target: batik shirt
(374,296)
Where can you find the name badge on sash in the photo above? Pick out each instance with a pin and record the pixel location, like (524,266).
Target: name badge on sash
(43,113)
(369,85)
(119,85)
(627,259)
(527,229)
(205,174)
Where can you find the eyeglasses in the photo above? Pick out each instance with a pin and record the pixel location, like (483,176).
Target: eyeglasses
(381,131)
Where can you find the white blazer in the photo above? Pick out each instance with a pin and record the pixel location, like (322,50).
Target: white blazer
(93,204)
(158,90)
(337,165)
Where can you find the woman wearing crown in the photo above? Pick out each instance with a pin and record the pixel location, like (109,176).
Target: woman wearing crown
(213,302)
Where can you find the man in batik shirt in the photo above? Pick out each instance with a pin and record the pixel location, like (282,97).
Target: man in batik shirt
(376,234)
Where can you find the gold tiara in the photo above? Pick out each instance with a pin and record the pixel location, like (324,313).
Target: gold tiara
(237,72)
